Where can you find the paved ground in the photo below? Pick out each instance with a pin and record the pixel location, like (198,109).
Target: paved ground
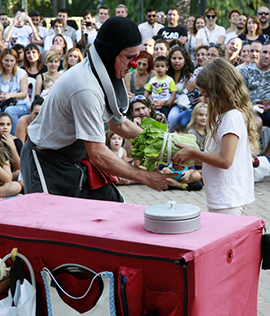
(140,194)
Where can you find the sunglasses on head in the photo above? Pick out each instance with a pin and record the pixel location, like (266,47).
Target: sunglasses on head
(151,15)
(263,13)
(214,45)
(138,97)
(210,16)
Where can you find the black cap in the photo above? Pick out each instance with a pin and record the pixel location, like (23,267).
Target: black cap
(33,13)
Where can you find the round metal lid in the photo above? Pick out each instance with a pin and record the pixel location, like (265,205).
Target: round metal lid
(172,211)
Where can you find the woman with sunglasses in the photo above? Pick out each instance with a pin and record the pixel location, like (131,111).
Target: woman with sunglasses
(211,33)
(252,30)
(135,81)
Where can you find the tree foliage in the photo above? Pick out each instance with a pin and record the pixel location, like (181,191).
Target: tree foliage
(76,7)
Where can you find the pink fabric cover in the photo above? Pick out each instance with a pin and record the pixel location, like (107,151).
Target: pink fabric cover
(224,254)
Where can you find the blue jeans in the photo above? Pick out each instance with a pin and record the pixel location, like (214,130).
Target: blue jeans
(177,116)
(15,112)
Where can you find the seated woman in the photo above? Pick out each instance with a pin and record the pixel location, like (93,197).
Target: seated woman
(8,187)
(73,57)
(24,121)
(12,144)
(180,69)
(252,30)
(62,41)
(58,27)
(13,86)
(136,80)
(33,61)
(52,61)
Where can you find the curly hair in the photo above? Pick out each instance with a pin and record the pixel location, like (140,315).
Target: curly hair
(223,82)
(188,68)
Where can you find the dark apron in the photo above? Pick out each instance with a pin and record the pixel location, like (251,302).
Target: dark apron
(63,172)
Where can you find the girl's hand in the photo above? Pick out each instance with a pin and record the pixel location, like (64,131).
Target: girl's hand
(7,139)
(186,175)
(158,104)
(186,153)
(5,96)
(199,99)
(131,95)
(166,170)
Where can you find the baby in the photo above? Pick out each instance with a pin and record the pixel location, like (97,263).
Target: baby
(47,85)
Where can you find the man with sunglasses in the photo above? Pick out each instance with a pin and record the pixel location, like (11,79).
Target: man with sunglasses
(263,16)
(211,33)
(150,28)
(174,31)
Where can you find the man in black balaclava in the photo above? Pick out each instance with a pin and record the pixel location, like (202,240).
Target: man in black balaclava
(70,125)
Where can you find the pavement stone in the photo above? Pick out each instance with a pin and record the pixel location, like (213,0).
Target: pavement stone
(143,195)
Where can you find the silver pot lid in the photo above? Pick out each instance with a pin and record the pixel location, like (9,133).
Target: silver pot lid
(172,211)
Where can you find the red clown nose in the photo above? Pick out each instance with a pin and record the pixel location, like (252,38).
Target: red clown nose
(133,63)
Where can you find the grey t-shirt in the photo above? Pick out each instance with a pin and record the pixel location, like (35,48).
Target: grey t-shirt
(75,108)
(257,82)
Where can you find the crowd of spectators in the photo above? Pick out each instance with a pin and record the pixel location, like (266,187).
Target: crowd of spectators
(163,86)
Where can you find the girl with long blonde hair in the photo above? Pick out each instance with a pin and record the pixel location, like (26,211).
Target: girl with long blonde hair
(72,57)
(233,138)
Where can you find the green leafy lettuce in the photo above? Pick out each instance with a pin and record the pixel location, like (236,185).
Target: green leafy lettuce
(147,146)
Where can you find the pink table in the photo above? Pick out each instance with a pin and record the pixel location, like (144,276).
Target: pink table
(223,256)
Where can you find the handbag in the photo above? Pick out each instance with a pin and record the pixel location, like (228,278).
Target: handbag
(7,103)
(21,299)
(57,306)
(183,102)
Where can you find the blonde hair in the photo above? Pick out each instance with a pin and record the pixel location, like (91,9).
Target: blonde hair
(71,50)
(226,89)
(193,123)
(50,55)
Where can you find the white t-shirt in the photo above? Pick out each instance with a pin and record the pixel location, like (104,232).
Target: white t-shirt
(208,36)
(76,109)
(91,35)
(233,187)
(14,85)
(229,36)
(48,42)
(19,35)
(148,31)
(161,89)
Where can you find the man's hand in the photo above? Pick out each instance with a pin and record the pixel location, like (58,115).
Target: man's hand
(137,121)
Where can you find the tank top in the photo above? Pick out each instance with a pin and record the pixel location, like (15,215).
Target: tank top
(105,305)
(132,86)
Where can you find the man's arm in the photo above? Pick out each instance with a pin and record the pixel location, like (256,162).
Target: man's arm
(105,159)
(182,40)
(35,33)
(127,130)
